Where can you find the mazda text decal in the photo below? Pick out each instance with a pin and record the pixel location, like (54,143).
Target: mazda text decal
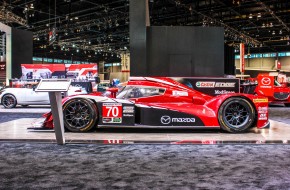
(205,84)
(167,120)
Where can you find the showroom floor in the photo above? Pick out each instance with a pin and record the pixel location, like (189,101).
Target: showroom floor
(14,127)
(34,161)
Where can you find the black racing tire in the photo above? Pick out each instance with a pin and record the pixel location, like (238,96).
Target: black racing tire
(9,101)
(25,106)
(287,104)
(80,115)
(236,115)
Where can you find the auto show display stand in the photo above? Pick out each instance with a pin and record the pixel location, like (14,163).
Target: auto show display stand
(54,87)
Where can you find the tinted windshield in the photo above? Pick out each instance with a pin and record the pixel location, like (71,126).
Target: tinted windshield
(139,91)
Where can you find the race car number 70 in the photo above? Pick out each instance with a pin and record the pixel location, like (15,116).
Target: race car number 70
(112,110)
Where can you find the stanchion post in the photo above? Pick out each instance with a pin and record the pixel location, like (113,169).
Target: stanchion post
(56,109)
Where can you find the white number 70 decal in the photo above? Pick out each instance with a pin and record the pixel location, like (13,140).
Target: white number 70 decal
(112,111)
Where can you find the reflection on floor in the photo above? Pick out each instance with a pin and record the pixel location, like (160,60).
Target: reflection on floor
(16,130)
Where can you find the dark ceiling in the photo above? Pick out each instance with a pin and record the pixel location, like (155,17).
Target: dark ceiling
(99,30)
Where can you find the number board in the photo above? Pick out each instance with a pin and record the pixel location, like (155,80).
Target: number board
(112,112)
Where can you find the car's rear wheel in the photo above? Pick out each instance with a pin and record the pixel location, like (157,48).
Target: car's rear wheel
(236,115)
(80,115)
(9,101)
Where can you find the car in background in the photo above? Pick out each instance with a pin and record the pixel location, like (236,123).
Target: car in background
(268,86)
(160,102)
(10,97)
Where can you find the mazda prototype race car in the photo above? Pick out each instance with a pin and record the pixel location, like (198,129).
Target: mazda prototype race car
(163,102)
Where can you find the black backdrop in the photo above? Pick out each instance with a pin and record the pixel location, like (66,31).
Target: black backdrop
(22,44)
(185,51)
(176,51)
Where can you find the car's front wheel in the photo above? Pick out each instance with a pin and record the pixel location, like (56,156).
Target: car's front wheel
(9,101)
(287,104)
(236,115)
(80,115)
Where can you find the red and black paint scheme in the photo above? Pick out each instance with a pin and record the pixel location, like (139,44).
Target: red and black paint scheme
(153,102)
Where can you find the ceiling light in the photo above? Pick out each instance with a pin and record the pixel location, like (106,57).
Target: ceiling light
(271,24)
(259,15)
(263,25)
(76,18)
(273,32)
(280,32)
(250,16)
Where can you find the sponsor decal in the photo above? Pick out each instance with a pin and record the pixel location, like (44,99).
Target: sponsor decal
(263,116)
(223,92)
(262,109)
(204,84)
(266,81)
(128,115)
(107,120)
(128,109)
(179,93)
(225,84)
(260,100)
(167,119)
(117,120)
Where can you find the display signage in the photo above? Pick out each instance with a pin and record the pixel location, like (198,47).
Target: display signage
(242,58)
(83,71)
(53,85)
(42,71)
(212,86)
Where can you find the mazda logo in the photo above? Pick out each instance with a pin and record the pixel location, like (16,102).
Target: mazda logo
(165,119)
(266,81)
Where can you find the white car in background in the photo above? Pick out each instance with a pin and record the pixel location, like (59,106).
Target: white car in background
(10,97)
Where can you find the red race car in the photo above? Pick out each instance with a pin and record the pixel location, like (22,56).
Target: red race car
(163,102)
(269,87)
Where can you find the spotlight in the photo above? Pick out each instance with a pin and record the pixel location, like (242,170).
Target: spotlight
(250,16)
